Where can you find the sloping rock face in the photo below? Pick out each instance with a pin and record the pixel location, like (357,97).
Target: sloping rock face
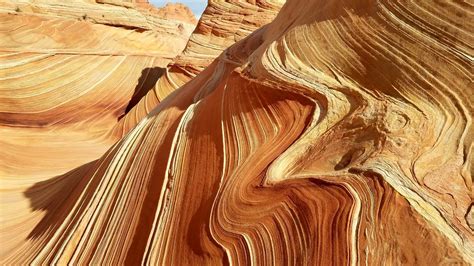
(221,25)
(68,72)
(67,78)
(338,134)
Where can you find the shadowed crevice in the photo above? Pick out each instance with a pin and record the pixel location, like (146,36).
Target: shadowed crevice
(146,82)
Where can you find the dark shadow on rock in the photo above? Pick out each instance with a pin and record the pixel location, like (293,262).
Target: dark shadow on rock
(50,196)
(59,196)
(70,194)
(146,82)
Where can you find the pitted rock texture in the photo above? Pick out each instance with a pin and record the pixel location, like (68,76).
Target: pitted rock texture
(171,11)
(338,134)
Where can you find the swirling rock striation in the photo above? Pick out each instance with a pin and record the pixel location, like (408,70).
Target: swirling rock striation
(340,133)
(68,71)
(66,66)
(221,25)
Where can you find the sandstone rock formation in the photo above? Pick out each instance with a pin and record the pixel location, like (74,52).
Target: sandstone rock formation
(70,66)
(68,70)
(171,11)
(109,12)
(340,133)
(221,25)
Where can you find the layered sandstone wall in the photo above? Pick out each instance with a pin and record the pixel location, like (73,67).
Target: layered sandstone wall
(339,134)
(222,24)
(68,71)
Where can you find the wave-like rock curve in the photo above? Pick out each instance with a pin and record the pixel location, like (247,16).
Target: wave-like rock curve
(340,133)
(65,73)
(221,25)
